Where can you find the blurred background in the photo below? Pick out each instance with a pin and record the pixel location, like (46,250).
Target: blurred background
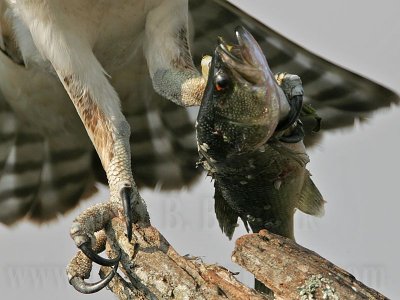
(356,169)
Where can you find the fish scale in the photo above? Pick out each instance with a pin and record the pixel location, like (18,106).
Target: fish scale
(264,181)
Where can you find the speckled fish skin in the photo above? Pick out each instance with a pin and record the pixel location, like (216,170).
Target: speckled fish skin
(257,178)
(248,109)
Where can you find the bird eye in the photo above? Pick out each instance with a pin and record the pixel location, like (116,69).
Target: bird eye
(221,82)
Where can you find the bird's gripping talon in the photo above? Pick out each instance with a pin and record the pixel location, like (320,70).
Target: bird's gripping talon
(93,256)
(88,234)
(296,104)
(293,89)
(126,194)
(296,135)
(89,288)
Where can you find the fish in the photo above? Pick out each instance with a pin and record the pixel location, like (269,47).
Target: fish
(250,141)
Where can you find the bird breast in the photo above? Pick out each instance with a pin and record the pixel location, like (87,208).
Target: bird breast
(113,28)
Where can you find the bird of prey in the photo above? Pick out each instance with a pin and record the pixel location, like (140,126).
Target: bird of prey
(84,79)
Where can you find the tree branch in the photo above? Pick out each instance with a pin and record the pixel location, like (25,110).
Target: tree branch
(294,272)
(154,270)
(158,271)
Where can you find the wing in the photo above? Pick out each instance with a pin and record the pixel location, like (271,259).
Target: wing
(340,96)
(39,177)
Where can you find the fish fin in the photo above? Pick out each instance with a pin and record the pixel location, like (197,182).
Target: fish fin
(311,201)
(226,216)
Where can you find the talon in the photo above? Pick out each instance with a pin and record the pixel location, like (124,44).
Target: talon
(296,104)
(295,136)
(89,288)
(93,256)
(126,193)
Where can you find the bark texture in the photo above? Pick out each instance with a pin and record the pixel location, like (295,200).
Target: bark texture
(294,272)
(152,269)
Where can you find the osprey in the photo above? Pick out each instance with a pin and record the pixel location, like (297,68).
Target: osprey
(78,77)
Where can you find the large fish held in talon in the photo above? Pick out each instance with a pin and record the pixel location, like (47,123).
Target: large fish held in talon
(250,141)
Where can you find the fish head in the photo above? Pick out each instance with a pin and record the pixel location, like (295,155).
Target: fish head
(242,93)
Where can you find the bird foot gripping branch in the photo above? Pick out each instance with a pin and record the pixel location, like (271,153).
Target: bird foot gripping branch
(88,235)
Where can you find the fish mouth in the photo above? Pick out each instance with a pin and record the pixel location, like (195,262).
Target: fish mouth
(245,59)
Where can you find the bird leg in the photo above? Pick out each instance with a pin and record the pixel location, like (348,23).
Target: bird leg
(110,134)
(168,55)
(98,106)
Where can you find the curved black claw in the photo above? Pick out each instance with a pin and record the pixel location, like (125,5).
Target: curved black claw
(296,103)
(295,136)
(85,247)
(126,193)
(89,288)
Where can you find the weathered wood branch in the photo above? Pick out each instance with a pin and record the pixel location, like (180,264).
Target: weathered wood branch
(294,272)
(154,270)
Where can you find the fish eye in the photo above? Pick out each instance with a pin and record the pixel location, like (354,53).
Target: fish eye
(221,82)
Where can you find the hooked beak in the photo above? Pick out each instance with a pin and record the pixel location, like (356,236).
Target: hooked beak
(245,59)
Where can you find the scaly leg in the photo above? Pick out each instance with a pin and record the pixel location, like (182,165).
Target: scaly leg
(168,54)
(98,107)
